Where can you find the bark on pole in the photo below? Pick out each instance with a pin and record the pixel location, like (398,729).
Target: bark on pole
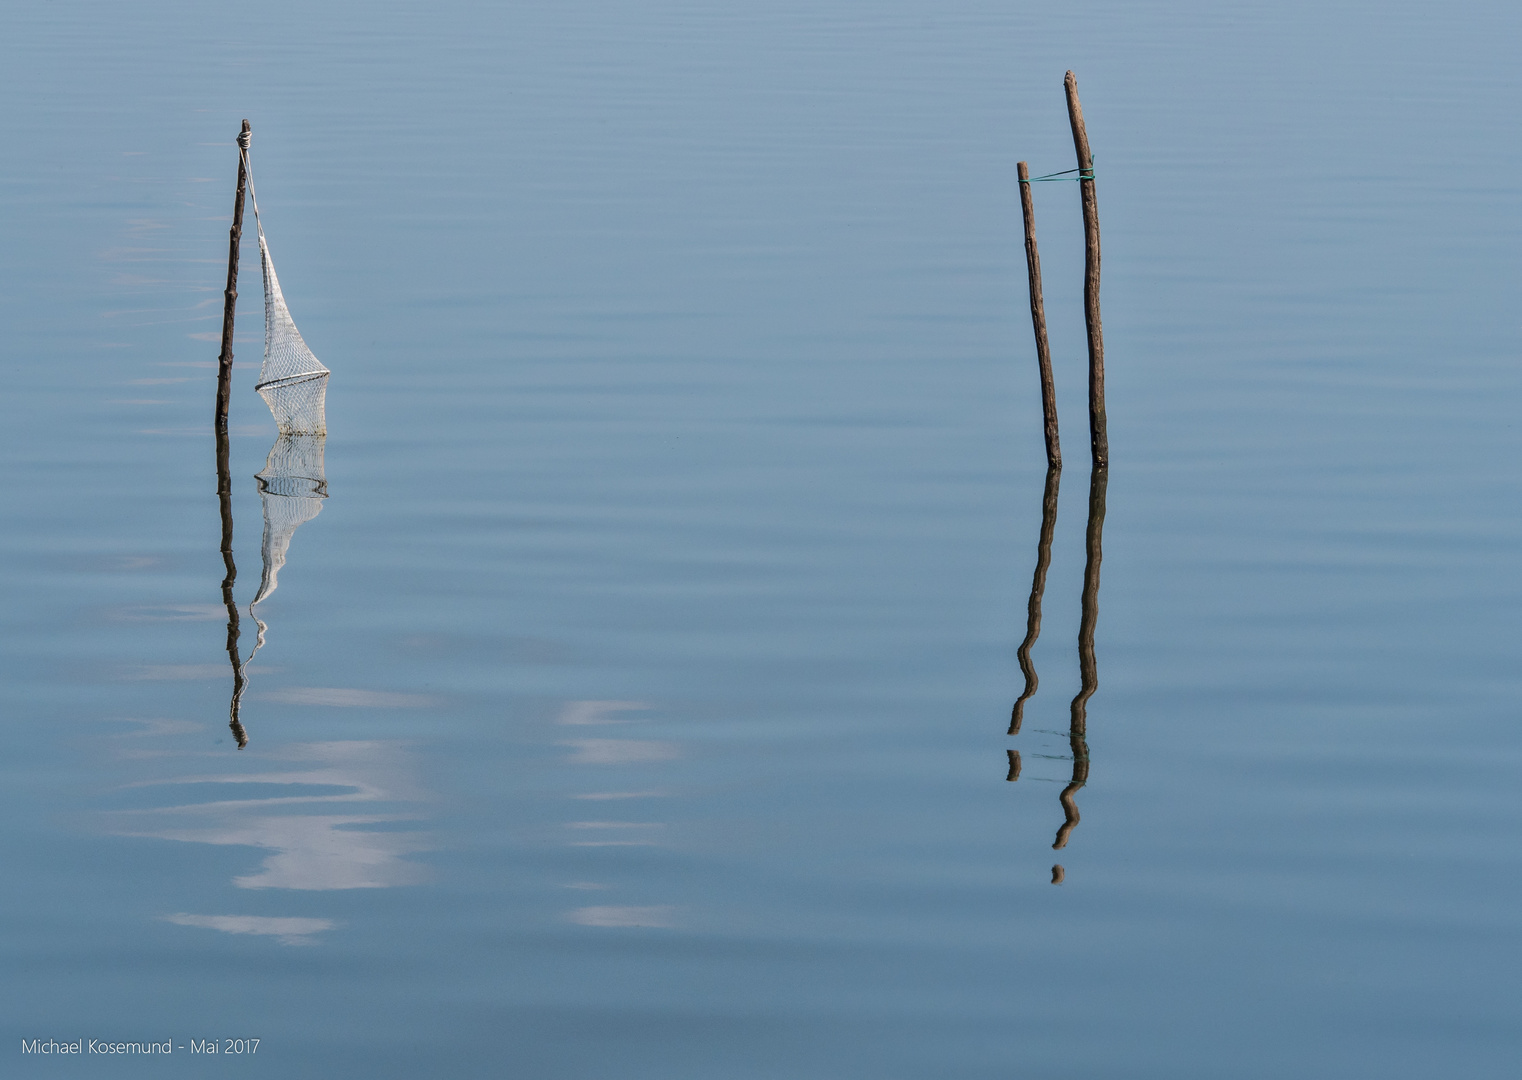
(230,295)
(1038,321)
(1099,440)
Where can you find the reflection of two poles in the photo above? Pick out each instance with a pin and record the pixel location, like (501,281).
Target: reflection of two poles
(1087,667)
(1098,478)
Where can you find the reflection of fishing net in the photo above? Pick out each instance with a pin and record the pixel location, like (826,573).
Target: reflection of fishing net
(292,486)
(293,382)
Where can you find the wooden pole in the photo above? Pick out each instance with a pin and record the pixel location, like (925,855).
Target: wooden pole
(1099,439)
(230,295)
(1038,321)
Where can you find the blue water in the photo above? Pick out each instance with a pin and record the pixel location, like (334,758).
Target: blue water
(636,705)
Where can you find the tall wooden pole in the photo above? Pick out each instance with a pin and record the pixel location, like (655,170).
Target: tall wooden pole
(230,295)
(1038,321)
(1099,439)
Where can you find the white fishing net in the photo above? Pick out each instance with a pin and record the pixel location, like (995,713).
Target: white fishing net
(293,382)
(292,486)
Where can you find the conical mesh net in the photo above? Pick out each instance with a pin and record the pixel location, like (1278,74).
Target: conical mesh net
(293,382)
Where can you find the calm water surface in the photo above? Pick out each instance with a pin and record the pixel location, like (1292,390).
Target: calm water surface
(636,705)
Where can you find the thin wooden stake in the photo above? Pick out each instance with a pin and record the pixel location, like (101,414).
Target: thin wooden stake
(1038,321)
(230,296)
(1099,439)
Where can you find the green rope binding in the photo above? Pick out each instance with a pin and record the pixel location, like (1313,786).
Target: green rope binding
(1083,174)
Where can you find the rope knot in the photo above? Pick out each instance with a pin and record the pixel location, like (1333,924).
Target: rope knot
(244,137)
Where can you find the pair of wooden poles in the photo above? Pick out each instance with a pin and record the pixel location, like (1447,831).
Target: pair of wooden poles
(1099,446)
(1099,442)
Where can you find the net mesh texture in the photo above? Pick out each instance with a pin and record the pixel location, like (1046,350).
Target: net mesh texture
(292,485)
(292,382)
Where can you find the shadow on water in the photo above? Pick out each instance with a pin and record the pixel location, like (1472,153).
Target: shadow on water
(1088,666)
(292,486)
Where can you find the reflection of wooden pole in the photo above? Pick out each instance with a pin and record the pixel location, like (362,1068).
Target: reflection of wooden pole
(1038,586)
(1099,439)
(1080,750)
(1088,666)
(230,295)
(225,498)
(1038,321)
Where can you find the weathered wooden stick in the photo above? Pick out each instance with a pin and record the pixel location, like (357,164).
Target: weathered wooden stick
(1038,321)
(230,295)
(1038,586)
(1099,439)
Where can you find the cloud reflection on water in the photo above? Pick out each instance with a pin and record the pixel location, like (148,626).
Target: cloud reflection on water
(288,930)
(598,712)
(660,916)
(613,833)
(345,698)
(620,751)
(308,850)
